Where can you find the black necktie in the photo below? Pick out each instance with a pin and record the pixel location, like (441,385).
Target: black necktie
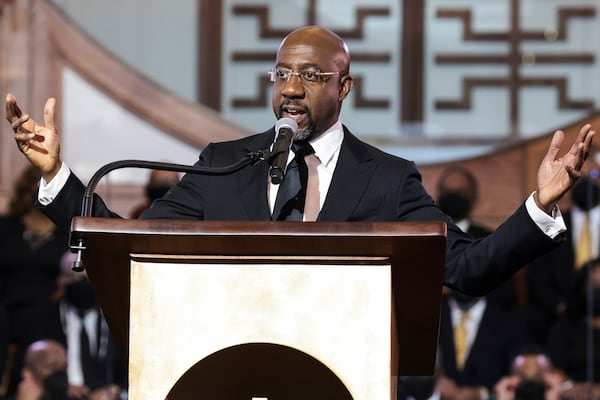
(289,205)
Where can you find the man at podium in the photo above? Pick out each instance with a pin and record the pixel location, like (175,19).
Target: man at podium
(341,177)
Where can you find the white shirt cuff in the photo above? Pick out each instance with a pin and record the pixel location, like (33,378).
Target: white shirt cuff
(551,225)
(49,190)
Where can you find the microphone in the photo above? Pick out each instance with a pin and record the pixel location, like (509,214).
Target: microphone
(286,129)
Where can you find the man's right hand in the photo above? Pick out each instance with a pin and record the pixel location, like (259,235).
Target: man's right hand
(39,143)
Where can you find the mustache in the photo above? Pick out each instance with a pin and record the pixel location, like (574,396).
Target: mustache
(292,103)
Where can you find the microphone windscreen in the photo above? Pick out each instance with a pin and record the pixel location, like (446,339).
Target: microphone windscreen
(286,123)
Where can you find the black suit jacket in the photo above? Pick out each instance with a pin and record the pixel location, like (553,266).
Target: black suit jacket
(496,342)
(368,185)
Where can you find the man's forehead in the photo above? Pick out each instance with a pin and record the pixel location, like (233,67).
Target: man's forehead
(304,54)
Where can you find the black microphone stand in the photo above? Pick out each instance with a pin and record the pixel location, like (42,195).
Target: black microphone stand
(251,158)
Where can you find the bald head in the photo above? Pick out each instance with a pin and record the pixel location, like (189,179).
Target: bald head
(45,357)
(322,40)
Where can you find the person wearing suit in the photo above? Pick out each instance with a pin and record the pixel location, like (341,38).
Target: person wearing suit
(457,196)
(493,336)
(96,370)
(357,182)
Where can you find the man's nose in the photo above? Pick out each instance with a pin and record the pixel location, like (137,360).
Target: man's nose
(293,87)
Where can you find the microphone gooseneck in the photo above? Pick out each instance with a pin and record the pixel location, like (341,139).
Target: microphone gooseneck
(251,158)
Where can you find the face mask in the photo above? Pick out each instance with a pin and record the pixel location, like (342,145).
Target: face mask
(56,386)
(455,205)
(585,194)
(156,192)
(464,301)
(80,294)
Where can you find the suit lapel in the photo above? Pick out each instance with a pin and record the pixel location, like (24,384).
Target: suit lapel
(352,174)
(252,181)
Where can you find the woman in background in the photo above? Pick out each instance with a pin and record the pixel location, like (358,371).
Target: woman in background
(30,251)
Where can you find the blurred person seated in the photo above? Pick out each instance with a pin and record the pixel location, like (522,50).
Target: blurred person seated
(457,196)
(30,252)
(532,377)
(159,183)
(476,342)
(568,339)
(95,369)
(44,372)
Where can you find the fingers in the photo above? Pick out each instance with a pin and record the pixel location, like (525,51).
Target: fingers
(49,113)
(16,124)
(19,122)
(584,139)
(555,145)
(582,147)
(12,109)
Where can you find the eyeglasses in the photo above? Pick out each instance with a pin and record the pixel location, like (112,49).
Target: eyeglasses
(306,76)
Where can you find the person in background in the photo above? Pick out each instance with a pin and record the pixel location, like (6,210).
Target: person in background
(95,369)
(159,183)
(458,194)
(475,343)
(550,277)
(569,338)
(44,372)
(30,252)
(532,377)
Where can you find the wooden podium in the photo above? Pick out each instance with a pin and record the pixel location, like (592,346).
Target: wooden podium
(267,310)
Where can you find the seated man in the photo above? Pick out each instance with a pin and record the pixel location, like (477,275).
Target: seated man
(44,372)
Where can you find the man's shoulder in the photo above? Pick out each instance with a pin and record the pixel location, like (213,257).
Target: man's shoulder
(357,145)
(256,138)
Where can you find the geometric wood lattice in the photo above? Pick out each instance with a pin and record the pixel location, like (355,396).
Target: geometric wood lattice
(515,59)
(265,31)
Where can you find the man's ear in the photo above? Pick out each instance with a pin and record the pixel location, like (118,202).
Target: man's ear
(346,83)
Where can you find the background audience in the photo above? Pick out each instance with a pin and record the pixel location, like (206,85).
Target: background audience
(95,369)
(551,276)
(61,347)
(571,335)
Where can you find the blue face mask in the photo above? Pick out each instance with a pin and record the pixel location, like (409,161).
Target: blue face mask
(56,386)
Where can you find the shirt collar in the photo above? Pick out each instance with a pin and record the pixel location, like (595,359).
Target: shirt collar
(464,224)
(328,143)
(475,312)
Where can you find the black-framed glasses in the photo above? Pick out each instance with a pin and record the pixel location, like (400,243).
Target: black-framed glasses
(310,75)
